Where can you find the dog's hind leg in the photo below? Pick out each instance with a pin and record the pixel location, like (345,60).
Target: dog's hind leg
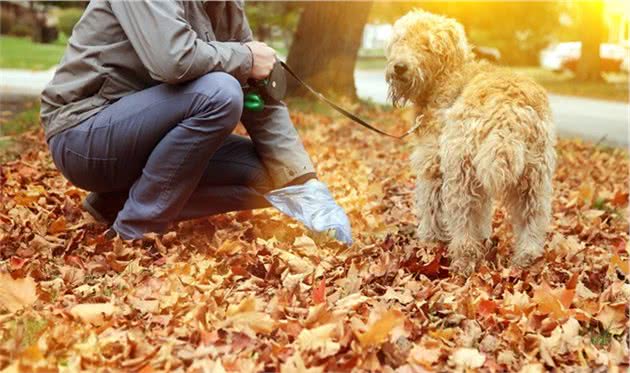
(530,208)
(467,211)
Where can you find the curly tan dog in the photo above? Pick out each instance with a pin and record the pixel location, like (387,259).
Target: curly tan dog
(486,132)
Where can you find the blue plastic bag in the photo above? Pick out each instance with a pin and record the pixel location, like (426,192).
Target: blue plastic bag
(314,206)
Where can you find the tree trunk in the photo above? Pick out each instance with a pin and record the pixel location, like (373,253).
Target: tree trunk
(592,30)
(325,45)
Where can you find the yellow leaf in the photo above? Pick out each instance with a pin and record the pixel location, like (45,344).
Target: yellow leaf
(15,294)
(247,305)
(32,353)
(259,322)
(230,247)
(445,334)
(245,316)
(555,302)
(586,194)
(624,266)
(379,331)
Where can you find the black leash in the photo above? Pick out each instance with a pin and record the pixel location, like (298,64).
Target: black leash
(344,111)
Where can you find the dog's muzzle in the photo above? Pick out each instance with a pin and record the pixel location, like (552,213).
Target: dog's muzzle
(398,71)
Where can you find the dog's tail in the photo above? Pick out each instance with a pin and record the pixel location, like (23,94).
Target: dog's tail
(500,161)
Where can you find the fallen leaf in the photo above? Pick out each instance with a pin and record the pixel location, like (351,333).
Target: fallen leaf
(319,292)
(377,333)
(555,302)
(93,313)
(295,364)
(319,340)
(57,226)
(424,356)
(17,293)
(467,358)
(613,318)
(486,307)
(620,199)
(623,265)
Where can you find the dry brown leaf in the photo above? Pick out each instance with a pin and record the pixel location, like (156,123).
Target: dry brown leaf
(319,340)
(295,364)
(57,226)
(424,356)
(613,318)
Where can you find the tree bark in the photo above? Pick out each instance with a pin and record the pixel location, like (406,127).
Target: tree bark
(325,45)
(592,30)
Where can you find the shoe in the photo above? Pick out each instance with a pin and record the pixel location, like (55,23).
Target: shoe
(110,234)
(103,210)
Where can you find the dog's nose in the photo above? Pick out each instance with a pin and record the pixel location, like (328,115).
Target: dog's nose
(400,68)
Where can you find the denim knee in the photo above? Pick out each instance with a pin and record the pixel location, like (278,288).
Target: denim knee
(225,97)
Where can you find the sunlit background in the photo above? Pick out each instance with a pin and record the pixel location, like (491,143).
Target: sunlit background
(574,49)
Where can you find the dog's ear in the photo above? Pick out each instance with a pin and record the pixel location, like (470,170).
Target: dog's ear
(458,38)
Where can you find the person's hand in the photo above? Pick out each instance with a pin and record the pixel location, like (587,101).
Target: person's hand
(314,206)
(264,58)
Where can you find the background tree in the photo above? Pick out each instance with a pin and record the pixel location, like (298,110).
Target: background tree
(592,32)
(325,46)
(270,19)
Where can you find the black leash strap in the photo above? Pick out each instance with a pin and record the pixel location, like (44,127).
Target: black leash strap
(344,111)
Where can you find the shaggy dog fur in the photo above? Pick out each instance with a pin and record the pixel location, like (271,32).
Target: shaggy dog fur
(486,132)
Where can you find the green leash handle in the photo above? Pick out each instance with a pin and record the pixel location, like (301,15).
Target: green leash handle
(254,102)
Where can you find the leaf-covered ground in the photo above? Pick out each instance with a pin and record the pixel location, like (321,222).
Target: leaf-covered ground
(253,291)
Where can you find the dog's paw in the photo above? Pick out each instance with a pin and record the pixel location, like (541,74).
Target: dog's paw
(465,256)
(463,267)
(525,258)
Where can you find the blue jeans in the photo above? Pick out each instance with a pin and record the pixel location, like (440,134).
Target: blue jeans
(171,150)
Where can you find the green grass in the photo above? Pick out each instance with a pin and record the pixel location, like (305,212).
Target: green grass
(14,124)
(22,53)
(22,121)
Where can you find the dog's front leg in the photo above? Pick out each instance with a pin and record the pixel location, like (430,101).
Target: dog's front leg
(429,208)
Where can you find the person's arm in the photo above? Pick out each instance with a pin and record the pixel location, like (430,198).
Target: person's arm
(298,193)
(170,49)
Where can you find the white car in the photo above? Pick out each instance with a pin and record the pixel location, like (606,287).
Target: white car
(564,56)
(553,57)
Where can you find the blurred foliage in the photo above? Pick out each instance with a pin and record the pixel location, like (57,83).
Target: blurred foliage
(6,22)
(273,22)
(66,4)
(68,18)
(20,29)
(519,29)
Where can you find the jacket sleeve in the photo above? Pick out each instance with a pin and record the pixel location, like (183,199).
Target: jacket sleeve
(169,48)
(276,140)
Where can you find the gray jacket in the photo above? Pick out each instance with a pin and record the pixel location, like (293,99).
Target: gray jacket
(121,47)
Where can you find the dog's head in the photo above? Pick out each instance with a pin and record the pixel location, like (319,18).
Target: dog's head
(423,48)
